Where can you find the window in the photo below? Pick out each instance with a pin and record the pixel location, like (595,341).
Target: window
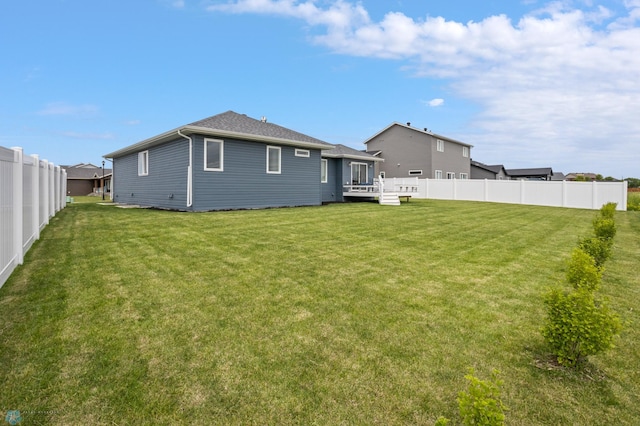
(213,155)
(465,151)
(143,163)
(359,173)
(438,174)
(302,152)
(440,145)
(451,175)
(273,159)
(464,176)
(324,169)
(415,172)
(382,175)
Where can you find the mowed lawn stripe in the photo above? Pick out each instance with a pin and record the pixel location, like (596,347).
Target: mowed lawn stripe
(347,313)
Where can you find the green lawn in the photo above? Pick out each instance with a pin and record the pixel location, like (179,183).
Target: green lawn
(341,314)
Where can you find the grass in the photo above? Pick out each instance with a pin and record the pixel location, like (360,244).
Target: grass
(342,314)
(633,201)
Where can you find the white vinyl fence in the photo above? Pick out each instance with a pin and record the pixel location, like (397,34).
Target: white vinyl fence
(31,192)
(580,195)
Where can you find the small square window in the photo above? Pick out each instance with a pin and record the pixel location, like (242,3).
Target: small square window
(302,152)
(440,145)
(438,174)
(465,151)
(464,176)
(415,172)
(451,175)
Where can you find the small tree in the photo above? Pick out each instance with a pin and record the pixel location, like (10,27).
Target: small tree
(481,404)
(578,325)
(598,249)
(582,271)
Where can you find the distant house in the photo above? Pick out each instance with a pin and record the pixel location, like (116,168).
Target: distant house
(87,179)
(544,173)
(227,161)
(484,171)
(410,151)
(344,167)
(581,176)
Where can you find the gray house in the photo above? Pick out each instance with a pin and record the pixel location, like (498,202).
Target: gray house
(484,171)
(227,161)
(343,168)
(409,151)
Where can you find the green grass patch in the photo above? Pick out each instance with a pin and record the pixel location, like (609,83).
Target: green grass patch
(633,201)
(341,314)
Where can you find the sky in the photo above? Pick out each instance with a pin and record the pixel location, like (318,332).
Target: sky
(528,83)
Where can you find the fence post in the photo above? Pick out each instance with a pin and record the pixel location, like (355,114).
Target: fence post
(17,204)
(35,196)
(486,189)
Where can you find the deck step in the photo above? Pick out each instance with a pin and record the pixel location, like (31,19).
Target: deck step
(389,199)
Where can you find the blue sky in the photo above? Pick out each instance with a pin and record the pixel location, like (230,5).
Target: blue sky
(528,83)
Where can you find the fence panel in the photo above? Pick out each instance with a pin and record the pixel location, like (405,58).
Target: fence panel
(31,191)
(583,195)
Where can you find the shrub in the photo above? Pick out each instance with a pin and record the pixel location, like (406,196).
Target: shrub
(604,228)
(608,210)
(442,421)
(582,271)
(578,325)
(633,201)
(597,248)
(481,404)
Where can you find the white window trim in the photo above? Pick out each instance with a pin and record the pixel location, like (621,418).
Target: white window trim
(440,145)
(464,176)
(143,163)
(302,153)
(438,174)
(214,169)
(451,175)
(324,171)
(279,149)
(415,172)
(355,163)
(465,151)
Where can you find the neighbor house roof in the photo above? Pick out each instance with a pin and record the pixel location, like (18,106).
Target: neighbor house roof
(232,125)
(342,151)
(493,169)
(85,171)
(543,171)
(424,130)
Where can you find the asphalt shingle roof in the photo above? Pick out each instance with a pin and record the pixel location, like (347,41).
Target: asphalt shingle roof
(231,121)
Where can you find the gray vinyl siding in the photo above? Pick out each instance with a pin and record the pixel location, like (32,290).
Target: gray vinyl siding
(166,184)
(244,182)
(332,190)
(405,149)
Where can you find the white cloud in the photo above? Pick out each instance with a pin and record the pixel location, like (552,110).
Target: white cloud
(66,109)
(434,102)
(559,84)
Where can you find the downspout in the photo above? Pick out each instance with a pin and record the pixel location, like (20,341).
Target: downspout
(189,171)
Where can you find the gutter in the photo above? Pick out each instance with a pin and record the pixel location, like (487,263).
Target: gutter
(189,170)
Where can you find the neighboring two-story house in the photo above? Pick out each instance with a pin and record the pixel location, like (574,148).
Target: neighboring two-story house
(412,152)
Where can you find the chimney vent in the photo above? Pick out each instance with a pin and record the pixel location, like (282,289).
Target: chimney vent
(409,123)
(263,119)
